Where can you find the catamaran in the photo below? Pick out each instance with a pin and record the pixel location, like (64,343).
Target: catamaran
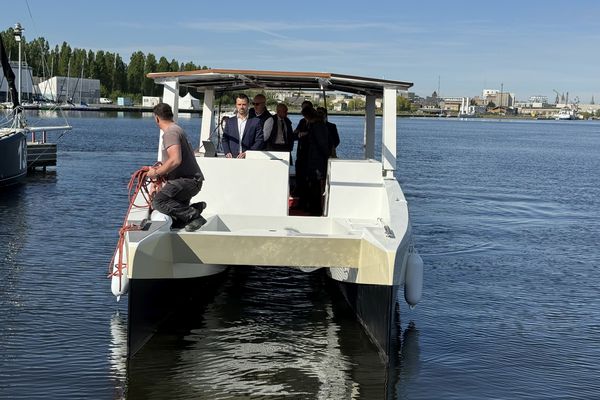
(363,239)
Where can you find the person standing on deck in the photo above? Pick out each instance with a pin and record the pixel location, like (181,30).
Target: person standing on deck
(319,150)
(181,171)
(300,134)
(334,137)
(260,109)
(242,133)
(278,132)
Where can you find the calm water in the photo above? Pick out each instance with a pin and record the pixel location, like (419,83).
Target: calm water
(505,215)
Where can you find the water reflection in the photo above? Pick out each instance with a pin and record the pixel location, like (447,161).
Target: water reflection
(405,367)
(13,232)
(118,353)
(283,336)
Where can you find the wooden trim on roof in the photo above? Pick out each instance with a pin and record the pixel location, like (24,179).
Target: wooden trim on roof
(241,79)
(291,74)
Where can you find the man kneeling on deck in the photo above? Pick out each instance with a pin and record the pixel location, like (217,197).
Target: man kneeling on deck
(182,173)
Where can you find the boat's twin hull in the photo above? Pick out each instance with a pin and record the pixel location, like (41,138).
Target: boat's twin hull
(363,241)
(178,304)
(152,302)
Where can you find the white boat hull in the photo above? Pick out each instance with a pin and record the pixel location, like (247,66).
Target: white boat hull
(362,243)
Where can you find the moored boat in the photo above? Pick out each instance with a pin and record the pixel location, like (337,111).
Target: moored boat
(363,239)
(13,141)
(566,113)
(15,130)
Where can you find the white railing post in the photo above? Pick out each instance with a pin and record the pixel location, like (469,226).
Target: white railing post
(208,120)
(388,146)
(171,97)
(369,136)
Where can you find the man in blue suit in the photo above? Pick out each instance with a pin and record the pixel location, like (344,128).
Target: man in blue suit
(250,129)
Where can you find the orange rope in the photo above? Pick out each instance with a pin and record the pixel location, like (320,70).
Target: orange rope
(139,182)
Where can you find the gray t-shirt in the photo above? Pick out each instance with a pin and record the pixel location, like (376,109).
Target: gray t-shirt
(188,168)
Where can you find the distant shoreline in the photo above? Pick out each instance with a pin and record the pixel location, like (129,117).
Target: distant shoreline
(142,109)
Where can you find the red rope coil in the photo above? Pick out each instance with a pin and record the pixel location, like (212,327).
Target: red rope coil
(138,183)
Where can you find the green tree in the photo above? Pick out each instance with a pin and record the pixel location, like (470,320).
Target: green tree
(190,66)
(120,78)
(356,104)
(89,65)
(64,60)
(135,72)
(109,69)
(163,65)
(36,51)
(403,104)
(149,66)
(53,64)
(100,72)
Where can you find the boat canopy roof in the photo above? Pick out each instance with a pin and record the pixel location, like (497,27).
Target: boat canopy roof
(224,80)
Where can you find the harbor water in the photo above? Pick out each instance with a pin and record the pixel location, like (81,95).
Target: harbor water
(504,213)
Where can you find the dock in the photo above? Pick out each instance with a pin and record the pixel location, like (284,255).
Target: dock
(40,155)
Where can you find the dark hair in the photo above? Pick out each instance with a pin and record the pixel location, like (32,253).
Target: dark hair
(311,115)
(163,111)
(322,110)
(242,96)
(307,103)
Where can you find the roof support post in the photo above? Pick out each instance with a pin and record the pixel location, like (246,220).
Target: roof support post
(369,136)
(208,121)
(171,97)
(388,146)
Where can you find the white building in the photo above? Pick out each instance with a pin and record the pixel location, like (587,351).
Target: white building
(538,99)
(27,87)
(76,90)
(150,101)
(489,92)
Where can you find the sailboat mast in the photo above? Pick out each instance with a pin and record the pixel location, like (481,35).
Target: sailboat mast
(81,83)
(10,77)
(68,78)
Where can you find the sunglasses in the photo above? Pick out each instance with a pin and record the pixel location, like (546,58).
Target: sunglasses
(255,103)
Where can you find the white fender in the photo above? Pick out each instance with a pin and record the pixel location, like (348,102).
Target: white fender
(413,278)
(119,282)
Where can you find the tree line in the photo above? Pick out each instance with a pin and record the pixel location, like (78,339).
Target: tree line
(117,78)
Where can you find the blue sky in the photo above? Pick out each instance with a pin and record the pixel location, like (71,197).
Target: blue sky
(531,47)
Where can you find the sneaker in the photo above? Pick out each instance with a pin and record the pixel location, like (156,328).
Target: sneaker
(200,206)
(195,224)
(177,224)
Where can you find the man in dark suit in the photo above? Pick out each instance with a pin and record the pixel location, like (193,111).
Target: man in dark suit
(278,132)
(334,137)
(249,130)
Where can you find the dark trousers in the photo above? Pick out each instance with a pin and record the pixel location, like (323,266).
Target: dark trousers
(174,199)
(314,197)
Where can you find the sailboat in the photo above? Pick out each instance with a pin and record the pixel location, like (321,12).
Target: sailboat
(14,131)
